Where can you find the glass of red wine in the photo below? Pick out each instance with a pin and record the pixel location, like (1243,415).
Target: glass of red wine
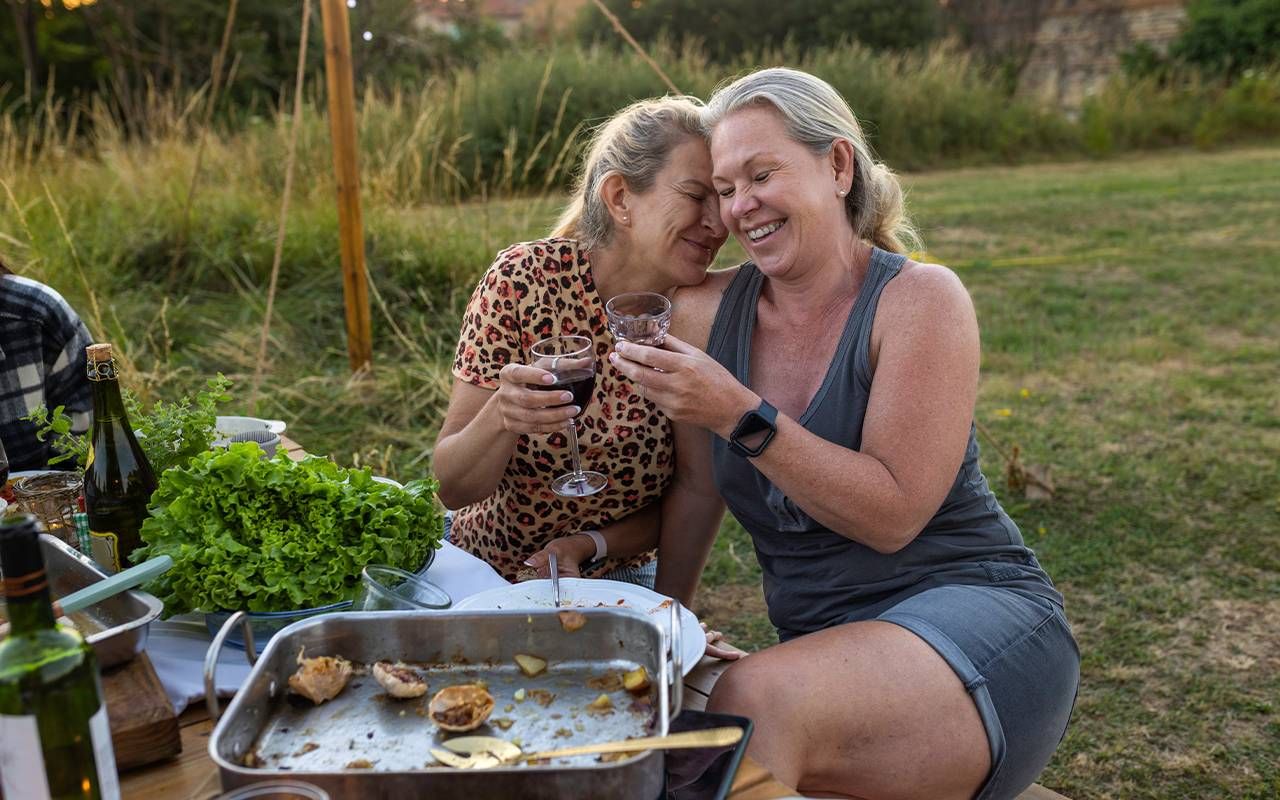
(572,360)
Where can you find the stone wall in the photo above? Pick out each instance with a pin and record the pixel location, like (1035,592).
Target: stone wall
(1078,44)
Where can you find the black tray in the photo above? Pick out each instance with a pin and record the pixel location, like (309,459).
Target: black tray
(704,773)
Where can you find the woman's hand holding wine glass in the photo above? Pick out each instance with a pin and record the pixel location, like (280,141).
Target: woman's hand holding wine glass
(526,405)
(685,383)
(571,361)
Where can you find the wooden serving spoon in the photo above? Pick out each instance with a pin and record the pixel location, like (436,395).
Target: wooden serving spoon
(482,752)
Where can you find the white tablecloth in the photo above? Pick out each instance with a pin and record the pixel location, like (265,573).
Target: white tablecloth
(177,646)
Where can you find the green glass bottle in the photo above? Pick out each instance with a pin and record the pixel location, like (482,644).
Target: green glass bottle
(118,480)
(55,741)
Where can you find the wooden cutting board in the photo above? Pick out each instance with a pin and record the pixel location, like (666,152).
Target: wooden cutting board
(144,728)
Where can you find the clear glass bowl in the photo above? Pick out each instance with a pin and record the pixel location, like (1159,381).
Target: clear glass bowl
(384,588)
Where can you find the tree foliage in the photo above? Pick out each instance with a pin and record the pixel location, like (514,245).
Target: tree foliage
(1230,35)
(124,49)
(731,27)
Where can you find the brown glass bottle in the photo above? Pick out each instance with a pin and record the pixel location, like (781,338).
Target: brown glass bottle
(118,480)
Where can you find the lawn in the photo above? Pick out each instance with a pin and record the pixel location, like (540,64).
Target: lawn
(1130,313)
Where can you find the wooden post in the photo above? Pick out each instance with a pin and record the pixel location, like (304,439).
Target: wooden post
(342,127)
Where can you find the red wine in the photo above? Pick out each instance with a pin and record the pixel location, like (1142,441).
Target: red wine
(582,382)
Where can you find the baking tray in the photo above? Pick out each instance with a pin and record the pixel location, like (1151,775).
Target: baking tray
(288,736)
(117,627)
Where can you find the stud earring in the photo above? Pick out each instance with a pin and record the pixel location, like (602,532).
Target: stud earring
(841,192)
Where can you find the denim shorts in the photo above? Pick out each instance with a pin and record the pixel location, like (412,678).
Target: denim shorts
(1015,654)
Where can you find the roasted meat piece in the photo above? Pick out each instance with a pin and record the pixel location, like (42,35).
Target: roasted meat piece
(461,708)
(399,680)
(320,679)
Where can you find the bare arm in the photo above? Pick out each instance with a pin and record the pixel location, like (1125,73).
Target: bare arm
(691,507)
(691,514)
(630,536)
(473,449)
(925,352)
(482,426)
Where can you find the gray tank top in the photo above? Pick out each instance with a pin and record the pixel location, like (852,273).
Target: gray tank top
(815,578)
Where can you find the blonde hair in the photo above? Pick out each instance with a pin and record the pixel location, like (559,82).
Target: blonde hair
(635,143)
(815,115)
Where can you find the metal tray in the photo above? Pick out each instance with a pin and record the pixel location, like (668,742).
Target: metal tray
(288,736)
(116,627)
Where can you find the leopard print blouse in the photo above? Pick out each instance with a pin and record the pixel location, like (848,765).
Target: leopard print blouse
(535,290)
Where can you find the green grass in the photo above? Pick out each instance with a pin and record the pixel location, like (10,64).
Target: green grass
(1130,313)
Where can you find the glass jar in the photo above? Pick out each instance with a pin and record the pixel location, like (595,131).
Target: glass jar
(53,497)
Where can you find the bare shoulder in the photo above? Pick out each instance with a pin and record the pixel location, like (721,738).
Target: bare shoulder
(921,291)
(694,307)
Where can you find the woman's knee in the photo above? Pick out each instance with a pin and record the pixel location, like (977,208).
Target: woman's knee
(738,686)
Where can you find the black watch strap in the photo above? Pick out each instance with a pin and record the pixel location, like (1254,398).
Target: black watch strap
(762,420)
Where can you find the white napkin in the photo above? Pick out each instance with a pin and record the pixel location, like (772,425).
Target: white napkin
(177,646)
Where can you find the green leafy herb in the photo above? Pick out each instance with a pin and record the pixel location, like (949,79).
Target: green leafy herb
(174,433)
(58,425)
(247,533)
(170,434)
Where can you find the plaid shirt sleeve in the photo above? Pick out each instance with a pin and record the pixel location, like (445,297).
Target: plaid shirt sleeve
(42,362)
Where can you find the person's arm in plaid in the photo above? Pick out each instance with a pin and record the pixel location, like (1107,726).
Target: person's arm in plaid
(66,381)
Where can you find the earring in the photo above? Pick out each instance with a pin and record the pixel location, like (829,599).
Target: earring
(841,192)
(625,218)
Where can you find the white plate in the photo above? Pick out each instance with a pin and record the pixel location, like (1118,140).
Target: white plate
(592,593)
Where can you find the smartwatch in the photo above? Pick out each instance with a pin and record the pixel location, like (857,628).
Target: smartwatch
(762,420)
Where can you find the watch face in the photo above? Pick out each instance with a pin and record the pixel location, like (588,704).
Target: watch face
(754,422)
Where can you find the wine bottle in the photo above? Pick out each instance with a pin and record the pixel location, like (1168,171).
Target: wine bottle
(55,741)
(118,480)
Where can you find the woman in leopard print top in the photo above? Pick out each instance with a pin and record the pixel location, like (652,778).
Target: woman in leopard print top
(643,217)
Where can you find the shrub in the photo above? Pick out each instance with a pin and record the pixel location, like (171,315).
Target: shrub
(1228,36)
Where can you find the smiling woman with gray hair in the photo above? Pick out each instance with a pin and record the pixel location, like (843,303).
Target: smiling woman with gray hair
(924,652)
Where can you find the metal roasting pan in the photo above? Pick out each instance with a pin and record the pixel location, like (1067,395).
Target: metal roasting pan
(364,744)
(117,627)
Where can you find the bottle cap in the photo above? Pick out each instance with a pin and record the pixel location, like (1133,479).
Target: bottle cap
(20,554)
(98,352)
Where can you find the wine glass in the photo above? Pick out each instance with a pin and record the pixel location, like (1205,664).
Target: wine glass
(640,317)
(571,359)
